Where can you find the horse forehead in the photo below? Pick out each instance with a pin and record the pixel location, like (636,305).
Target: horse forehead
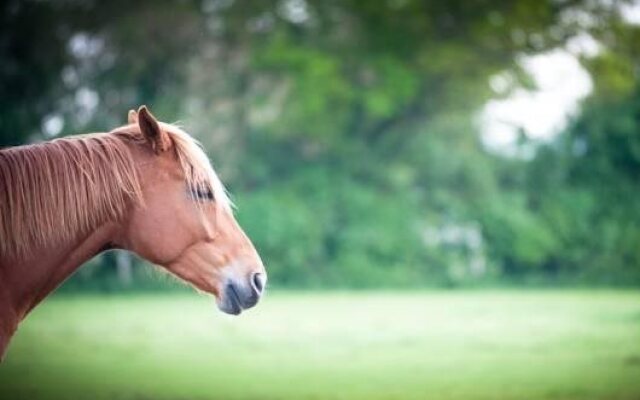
(158,168)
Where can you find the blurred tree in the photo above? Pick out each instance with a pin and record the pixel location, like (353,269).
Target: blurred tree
(581,188)
(348,127)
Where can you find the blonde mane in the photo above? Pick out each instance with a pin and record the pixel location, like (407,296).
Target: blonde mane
(52,191)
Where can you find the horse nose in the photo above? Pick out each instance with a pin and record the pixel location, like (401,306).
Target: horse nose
(238,296)
(258,281)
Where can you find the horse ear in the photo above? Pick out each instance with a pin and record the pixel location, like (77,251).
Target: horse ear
(151,130)
(132,118)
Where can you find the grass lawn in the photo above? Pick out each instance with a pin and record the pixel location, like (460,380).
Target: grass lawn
(362,345)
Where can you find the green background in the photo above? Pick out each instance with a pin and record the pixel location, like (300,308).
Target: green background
(406,259)
(348,131)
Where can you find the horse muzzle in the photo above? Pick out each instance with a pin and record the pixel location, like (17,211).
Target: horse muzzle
(238,296)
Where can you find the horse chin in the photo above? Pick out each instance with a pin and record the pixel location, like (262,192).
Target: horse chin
(229,303)
(229,307)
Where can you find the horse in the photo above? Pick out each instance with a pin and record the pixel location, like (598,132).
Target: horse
(146,187)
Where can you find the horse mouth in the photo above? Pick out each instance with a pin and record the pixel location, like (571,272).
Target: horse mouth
(237,297)
(231,303)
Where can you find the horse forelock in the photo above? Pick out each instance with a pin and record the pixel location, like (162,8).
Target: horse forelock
(196,166)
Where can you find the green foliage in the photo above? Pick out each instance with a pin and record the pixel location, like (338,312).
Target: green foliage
(521,239)
(580,190)
(348,130)
(323,228)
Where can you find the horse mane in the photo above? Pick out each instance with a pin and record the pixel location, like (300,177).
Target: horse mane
(51,191)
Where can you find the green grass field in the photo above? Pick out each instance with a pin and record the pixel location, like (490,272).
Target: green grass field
(363,345)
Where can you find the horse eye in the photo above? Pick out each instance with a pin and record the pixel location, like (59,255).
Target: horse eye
(202,194)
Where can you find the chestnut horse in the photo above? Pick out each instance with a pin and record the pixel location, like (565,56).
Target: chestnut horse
(146,187)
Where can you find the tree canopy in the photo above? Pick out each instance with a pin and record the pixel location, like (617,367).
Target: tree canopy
(348,130)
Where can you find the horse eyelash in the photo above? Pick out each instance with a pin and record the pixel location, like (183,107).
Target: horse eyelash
(200,194)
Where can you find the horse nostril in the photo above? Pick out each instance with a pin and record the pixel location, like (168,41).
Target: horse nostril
(258,281)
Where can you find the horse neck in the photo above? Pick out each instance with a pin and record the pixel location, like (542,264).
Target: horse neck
(24,283)
(26,279)
(50,243)
(8,317)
